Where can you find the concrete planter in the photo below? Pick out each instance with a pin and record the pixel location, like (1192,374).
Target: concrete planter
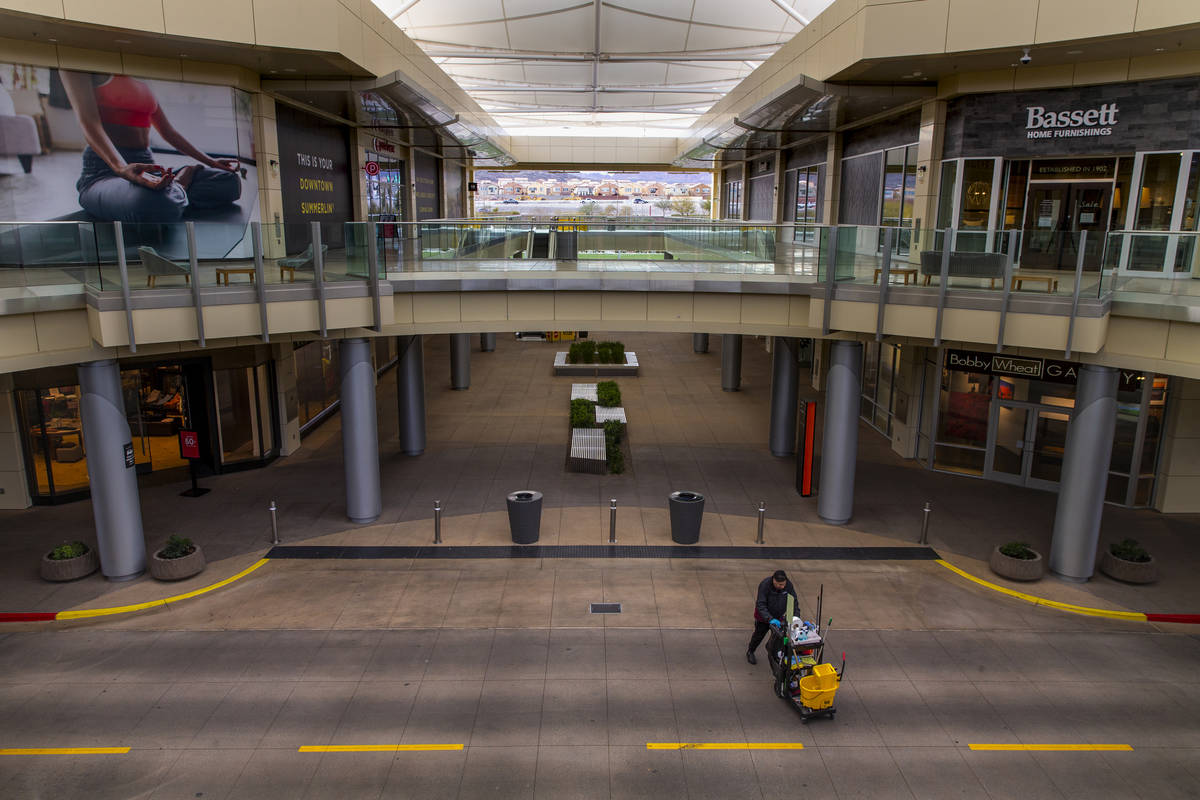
(176,569)
(1128,571)
(69,569)
(1017,569)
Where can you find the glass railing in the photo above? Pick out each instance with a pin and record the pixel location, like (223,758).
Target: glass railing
(1152,263)
(158,257)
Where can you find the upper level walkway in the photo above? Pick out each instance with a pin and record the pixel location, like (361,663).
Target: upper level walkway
(187,282)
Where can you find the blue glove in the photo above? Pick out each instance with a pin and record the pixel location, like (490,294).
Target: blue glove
(776,624)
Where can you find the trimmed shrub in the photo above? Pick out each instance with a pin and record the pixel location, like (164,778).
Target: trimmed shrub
(616,460)
(583,413)
(587,352)
(1126,549)
(573,353)
(68,550)
(1017,550)
(177,547)
(608,394)
(614,432)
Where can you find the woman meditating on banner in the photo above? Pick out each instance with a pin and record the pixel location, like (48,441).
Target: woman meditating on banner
(120,180)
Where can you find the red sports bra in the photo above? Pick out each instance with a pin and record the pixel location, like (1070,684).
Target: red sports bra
(125,101)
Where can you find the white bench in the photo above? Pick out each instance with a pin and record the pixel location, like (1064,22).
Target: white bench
(610,414)
(584,391)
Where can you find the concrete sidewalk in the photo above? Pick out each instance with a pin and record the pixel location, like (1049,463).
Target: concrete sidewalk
(509,432)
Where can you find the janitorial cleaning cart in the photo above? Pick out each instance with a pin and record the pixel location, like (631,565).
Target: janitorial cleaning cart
(796,658)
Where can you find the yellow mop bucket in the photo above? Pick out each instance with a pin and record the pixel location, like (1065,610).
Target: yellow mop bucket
(818,689)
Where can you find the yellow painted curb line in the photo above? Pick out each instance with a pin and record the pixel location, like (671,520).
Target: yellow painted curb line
(63,751)
(375,748)
(1050,747)
(724,746)
(1135,616)
(103,612)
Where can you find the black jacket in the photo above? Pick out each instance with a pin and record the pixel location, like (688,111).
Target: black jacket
(772,603)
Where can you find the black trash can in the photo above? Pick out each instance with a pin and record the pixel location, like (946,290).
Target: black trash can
(686,510)
(525,516)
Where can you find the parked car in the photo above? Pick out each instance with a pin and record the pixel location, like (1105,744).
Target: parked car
(509,201)
(639,200)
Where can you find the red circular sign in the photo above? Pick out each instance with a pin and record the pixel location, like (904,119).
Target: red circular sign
(372,167)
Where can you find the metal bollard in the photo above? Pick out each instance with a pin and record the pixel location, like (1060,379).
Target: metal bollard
(437,521)
(762,515)
(274,525)
(612,521)
(925,525)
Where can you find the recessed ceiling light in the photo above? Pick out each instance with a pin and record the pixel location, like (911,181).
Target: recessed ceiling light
(183,55)
(917,73)
(1159,49)
(273,71)
(52,39)
(122,41)
(289,69)
(1074,52)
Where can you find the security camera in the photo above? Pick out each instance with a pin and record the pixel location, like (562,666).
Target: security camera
(1025,57)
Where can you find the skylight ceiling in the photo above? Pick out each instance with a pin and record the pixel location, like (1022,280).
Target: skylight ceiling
(599,67)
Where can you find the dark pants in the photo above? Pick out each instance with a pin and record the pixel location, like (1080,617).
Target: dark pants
(761,629)
(107,196)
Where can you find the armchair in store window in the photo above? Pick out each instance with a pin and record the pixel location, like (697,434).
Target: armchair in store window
(159,266)
(304,259)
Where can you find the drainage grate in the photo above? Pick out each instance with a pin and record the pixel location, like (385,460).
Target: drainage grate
(606,608)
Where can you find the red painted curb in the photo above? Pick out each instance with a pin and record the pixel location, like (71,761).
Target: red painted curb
(28,616)
(1192,619)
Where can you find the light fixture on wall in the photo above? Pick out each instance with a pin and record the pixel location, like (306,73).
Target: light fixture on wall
(274,168)
(922,169)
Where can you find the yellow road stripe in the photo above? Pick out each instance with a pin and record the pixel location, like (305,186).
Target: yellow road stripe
(1049,747)
(103,612)
(63,751)
(1136,616)
(375,748)
(724,746)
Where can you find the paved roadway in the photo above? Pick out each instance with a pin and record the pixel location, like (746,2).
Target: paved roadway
(568,712)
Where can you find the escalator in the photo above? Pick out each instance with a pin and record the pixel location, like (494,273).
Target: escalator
(541,244)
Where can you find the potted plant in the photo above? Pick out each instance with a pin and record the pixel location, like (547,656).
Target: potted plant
(69,561)
(180,558)
(1017,561)
(1128,561)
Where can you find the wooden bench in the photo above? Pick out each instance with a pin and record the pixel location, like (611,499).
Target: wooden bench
(1050,281)
(223,274)
(893,272)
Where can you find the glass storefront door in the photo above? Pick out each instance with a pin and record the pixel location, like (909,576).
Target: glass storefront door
(1028,443)
(1055,214)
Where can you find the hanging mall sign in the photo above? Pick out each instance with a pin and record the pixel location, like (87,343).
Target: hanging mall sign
(1043,124)
(1042,369)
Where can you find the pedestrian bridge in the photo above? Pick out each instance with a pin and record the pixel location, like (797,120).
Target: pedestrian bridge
(68,293)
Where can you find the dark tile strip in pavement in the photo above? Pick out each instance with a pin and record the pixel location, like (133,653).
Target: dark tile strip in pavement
(607,551)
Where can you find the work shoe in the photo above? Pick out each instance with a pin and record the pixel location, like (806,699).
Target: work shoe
(750,657)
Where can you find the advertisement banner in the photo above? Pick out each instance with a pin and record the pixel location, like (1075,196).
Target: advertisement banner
(91,147)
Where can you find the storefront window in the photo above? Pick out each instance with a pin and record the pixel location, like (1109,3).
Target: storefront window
(243,413)
(899,192)
(962,421)
(880,363)
(733,200)
(318,382)
(53,434)
(975,203)
(1014,195)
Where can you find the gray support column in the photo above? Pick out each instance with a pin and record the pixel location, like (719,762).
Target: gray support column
(731,361)
(699,342)
(839,442)
(460,361)
(785,385)
(360,437)
(111,474)
(487,342)
(410,390)
(1084,474)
